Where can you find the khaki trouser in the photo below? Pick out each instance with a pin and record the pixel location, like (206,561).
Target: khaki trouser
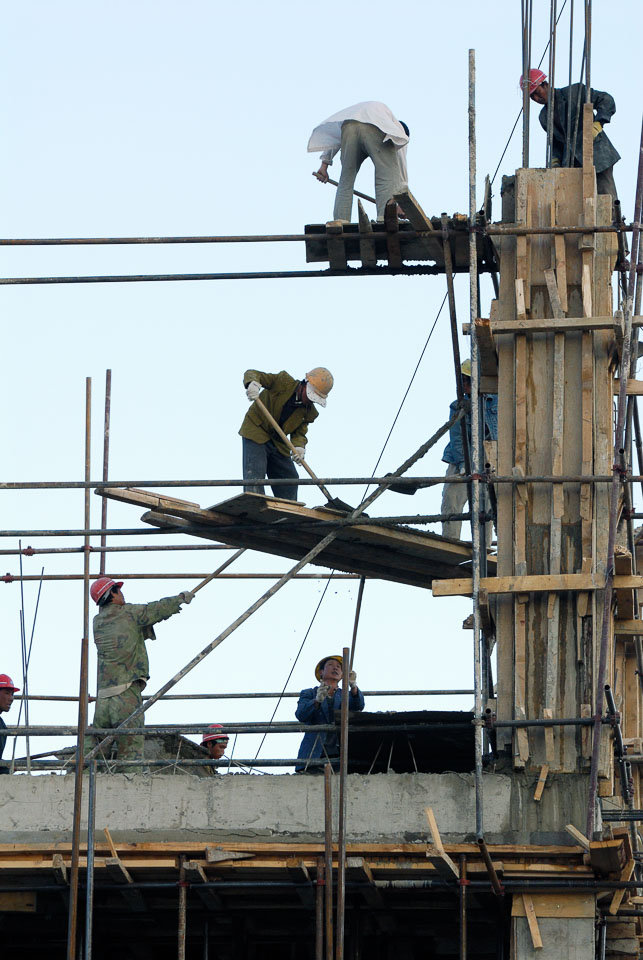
(454,500)
(359,141)
(111,712)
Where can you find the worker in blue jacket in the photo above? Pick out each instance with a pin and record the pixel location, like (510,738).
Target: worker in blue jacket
(318,705)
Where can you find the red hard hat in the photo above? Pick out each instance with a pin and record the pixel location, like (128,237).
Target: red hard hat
(214,732)
(536,77)
(100,587)
(6,683)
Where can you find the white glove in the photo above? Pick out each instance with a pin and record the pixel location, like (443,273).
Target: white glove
(352,679)
(299,454)
(186,596)
(323,691)
(253,390)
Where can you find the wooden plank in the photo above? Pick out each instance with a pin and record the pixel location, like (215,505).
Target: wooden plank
(120,874)
(438,855)
(624,597)
(557,905)
(524,324)
(486,348)
(633,388)
(196,875)
(366,246)
(336,248)
(548,714)
(530,913)
(537,583)
(588,145)
(561,269)
(392,225)
(576,835)
(617,899)
(608,857)
(628,628)
(521,739)
(521,308)
(221,855)
(413,211)
(542,779)
(520,454)
(586,287)
(17,901)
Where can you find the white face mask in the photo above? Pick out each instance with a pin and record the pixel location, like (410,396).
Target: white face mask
(314,396)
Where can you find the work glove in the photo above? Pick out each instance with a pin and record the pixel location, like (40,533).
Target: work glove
(352,679)
(186,596)
(555,162)
(298,454)
(253,390)
(597,126)
(323,691)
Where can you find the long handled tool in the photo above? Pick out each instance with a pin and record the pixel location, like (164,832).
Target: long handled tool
(333,502)
(364,196)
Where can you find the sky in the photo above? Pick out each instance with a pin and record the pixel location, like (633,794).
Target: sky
(191,119)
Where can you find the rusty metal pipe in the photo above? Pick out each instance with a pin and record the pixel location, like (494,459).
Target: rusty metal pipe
(183,899)
(328,856)
(319,910)
(491,870)
(463,908)
(341,837)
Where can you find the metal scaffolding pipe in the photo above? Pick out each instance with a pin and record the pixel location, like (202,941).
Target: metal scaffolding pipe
(103,515)
(89,883)
(272,695)
(342,807)
(328,857)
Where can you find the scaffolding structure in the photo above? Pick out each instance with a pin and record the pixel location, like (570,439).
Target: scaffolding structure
(472,870)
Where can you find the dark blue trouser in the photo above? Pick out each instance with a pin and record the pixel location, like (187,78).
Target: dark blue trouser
(264,460)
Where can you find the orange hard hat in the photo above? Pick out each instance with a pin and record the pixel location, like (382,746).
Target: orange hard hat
(319,383)
(100,587)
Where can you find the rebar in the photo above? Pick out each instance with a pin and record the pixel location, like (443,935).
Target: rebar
(341,833)
(103,515)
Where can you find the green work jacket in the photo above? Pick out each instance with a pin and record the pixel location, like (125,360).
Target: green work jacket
(278,388)
(120,632)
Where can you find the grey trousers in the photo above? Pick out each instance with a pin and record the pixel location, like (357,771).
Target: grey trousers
(359,141)
(454,500)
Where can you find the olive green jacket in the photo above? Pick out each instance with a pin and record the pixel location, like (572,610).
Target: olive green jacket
(279,387)
(120,631)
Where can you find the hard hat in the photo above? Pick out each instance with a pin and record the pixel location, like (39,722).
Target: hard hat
(319,383)
(6,683)
(101,586)
(465,368)
(536,77)
(333,656)
(214,732)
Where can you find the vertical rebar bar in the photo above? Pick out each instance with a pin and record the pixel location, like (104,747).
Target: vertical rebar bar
(82,699)
(566,156)
(614,498)
(526,30)
(108,405)
(552,92)
(183,899)
(25,664)
(341,833)
(475,443)
(328,854)
(463,908)
(89,883)
(319,910)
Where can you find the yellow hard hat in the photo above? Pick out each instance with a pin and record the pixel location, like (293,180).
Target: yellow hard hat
(333,656)
(321,381)
(465,368)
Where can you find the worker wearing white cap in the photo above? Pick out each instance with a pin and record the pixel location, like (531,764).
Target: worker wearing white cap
(215,741)
(7,690)
(318,705)
(291,403)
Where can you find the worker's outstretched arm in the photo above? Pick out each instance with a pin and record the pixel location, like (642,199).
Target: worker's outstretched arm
(146,614)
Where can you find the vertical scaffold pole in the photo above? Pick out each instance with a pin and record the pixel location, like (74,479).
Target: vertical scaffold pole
(475,442)
(82,697)
(103,515)
(328,851)
(341,832)
(89,884)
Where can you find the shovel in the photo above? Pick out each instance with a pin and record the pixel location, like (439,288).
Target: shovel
(333,502)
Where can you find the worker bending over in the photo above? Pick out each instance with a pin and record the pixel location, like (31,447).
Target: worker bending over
(7,690)
(120,632)
(454,495)
(318,705)
(605,155)
(366,129)
(290,402)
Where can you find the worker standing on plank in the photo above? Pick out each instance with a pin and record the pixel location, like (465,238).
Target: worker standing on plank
(605,155)
(290,402)
(215,742)
(7,691)
(454,495)
(120,632)
(364,130)
(318,705)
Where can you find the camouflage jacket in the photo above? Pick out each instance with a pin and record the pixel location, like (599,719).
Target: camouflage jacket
(279,387)
(120,632)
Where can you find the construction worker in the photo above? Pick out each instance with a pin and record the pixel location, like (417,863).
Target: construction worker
(318,705)
(120,632)
(364,130)
(215,741)
(290,402)
(7,690)
(454,495)
(605,155)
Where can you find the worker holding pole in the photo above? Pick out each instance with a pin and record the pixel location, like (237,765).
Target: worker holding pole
(318,705)
(567,144)
(120,632)
(366,129)
(290,403)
